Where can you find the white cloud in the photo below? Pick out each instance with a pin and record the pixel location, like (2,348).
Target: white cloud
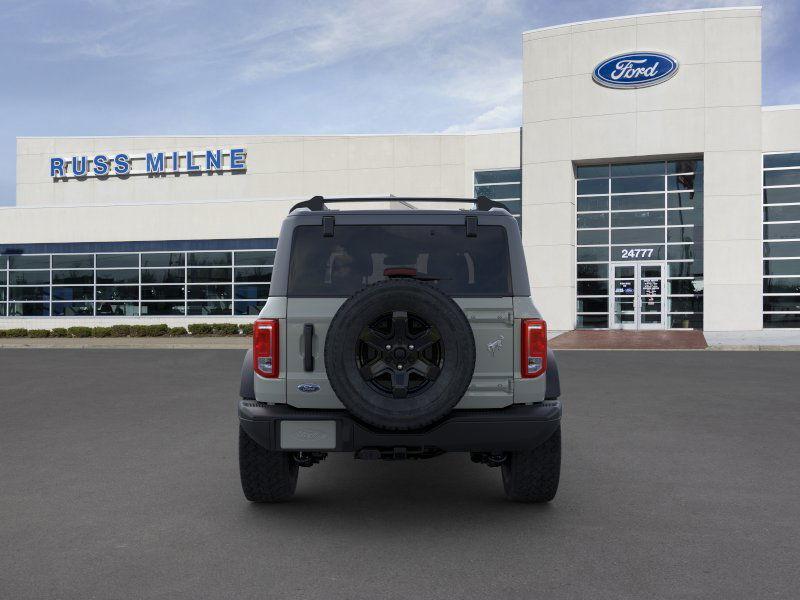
(342,31)
(491,90)
(107,29)
(497,117)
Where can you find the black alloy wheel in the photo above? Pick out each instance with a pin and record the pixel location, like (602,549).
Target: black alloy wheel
(399,354)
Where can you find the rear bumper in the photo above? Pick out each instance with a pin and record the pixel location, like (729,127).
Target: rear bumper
(282,427)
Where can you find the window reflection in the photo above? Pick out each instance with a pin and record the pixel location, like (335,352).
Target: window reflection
(502,185)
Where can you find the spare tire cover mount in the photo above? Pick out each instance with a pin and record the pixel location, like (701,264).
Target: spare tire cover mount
(400,354)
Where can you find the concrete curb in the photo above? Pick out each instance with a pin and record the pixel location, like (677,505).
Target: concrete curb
(754,347)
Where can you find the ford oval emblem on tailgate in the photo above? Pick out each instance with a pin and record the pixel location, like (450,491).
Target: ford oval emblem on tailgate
(308,387)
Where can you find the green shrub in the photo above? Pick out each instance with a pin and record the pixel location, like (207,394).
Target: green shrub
(138,331)
(225,329)
(120,330)
(80,332)
(2,333)
(247,329)
(101,332)
(149,330)
(177,331)
(201,329)
(38,333)
(17,332)
(59,332)
(214,329)
(157,330)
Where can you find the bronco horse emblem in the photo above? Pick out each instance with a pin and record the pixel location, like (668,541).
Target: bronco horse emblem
(496,345)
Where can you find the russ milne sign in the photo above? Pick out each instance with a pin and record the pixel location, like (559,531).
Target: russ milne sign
(635,70)
(151,163)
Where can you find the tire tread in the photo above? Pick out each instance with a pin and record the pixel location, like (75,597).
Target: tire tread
(533,475)
(266,476)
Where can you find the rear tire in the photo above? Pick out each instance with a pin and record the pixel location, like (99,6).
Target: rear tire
(532,475)
(266,476)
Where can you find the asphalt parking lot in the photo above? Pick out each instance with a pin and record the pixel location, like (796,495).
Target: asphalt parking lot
(118,479)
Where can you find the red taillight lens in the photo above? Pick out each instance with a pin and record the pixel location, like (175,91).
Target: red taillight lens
(265,347)
(534,347)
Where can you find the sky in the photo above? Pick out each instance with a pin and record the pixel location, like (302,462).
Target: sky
(174,67)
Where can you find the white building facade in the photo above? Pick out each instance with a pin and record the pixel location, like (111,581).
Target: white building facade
(662,198)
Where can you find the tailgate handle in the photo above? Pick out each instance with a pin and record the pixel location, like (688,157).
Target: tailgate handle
(308,355)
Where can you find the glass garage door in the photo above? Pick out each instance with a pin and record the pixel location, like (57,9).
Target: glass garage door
(640,215)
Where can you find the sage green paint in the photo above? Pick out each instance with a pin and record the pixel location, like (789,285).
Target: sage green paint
(496,380)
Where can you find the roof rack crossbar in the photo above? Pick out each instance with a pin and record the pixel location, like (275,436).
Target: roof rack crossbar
(317,203)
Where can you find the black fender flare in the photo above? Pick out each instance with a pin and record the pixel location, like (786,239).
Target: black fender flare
(552,384)
(246,385)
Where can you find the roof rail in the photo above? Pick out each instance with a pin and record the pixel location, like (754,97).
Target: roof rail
(317,203)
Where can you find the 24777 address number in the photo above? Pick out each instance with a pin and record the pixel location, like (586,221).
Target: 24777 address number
(637,252)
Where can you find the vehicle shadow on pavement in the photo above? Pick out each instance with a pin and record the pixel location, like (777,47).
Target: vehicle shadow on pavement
(347,494)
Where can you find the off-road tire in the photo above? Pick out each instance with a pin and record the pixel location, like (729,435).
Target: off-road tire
(436,308)
(266,476)
(532,475)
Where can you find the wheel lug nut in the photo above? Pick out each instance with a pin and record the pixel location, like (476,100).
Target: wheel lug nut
(388,346)
(411,346)
(400,367)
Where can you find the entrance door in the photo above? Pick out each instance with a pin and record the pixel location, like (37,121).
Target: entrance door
(637,295)
(650,301)
(623,296)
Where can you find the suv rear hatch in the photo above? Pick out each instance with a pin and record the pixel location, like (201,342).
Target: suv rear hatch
(332,261)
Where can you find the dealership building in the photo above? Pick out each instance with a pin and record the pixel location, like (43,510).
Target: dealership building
(653,190)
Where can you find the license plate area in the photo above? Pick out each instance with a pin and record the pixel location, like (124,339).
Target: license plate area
(307,435)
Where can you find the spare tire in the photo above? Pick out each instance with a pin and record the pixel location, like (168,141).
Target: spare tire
(400,354)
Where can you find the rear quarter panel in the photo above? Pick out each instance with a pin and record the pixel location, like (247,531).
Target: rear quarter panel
(319,313)
(492,322)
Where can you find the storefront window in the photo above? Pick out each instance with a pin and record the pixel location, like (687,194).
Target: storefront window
(502,185)
(781,287)
(640,214)
(130,284)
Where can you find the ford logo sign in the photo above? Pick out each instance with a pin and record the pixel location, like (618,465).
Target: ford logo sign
(635,70)
(308,387)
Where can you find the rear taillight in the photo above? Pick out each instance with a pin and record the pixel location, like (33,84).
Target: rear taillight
(265,347)
(534,347)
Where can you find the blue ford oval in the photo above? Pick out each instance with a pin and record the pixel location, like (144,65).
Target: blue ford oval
(635,70)
(308,388)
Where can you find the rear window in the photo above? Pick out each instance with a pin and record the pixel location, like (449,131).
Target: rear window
(359,255)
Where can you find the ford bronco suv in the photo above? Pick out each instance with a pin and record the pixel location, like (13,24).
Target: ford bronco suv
(399,334)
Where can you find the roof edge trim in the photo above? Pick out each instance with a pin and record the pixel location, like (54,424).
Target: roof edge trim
(652,14)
